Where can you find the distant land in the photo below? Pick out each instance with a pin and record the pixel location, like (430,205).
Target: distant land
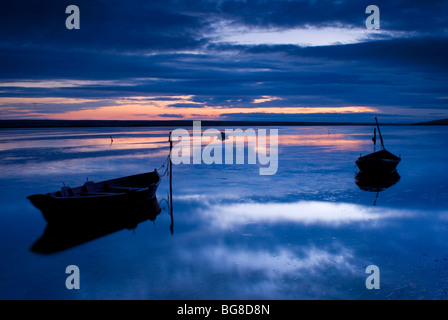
(168,123)
(185,123)
(441,122)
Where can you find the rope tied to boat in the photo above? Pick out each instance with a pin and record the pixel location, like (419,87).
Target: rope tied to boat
(165,167)
(164,171)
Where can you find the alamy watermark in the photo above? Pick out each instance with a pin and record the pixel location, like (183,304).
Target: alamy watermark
(373,280)
(222,144)
(73,20)
(73,280)
(373,21)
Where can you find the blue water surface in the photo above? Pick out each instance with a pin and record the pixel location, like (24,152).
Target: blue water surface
(307,232)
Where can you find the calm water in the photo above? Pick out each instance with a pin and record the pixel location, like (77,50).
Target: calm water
(308,232)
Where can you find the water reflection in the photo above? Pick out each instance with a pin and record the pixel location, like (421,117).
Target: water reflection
(309,137)
(271,270)
(307,232)
(376,183)
(328,142)
(330,214)
(59,236)
(82,141)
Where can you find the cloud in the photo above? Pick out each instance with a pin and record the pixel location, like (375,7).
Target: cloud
(226,54)
(409,15)
(264,99)
(105,25)
(304,36)
(170,115)
(186,105)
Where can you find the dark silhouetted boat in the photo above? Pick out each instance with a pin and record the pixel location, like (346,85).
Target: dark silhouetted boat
(378,163)
(97,201)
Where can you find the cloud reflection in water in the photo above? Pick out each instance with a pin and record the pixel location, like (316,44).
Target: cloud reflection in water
(301,212)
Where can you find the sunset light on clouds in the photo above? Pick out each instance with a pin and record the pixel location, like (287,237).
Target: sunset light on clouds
(225,60)
(153,108)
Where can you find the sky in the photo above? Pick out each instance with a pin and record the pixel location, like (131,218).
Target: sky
(279,60)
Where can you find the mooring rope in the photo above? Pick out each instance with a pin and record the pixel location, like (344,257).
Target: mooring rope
(163,172)
(166,166)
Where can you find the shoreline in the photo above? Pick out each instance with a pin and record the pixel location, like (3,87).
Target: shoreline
(10,124)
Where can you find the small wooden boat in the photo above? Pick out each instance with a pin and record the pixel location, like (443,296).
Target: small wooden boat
(97,201)
(378,163)
(381,162)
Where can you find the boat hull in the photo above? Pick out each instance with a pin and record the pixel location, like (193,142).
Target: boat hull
(98,201)
(378,163)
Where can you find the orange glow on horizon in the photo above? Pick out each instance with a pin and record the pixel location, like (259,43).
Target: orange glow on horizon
(152,108)
(163,112)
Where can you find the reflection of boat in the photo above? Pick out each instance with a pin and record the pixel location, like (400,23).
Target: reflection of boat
(97,201)
(376,183)
(59,236)
(378,163)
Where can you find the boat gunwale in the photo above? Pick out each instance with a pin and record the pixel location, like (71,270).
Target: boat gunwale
(80,193)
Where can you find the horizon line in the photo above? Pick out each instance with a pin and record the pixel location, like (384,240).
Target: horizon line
(52,123)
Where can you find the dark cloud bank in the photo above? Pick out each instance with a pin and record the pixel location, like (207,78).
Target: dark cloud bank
(173,48)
